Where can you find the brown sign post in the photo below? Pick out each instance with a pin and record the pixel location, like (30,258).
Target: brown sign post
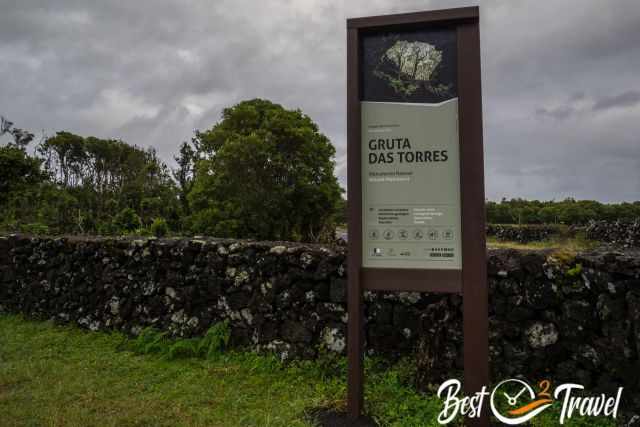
(415,173)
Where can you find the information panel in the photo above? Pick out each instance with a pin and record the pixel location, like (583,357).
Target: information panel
(416,178)
(411,215)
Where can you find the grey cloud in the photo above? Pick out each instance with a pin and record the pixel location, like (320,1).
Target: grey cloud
(626,99)
(578,96)
(559,113)
(580,103)
(152,71)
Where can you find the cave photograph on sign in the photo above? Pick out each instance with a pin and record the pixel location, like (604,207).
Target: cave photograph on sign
(416,66)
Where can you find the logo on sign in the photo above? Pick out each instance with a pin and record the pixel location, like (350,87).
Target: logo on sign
(514,401)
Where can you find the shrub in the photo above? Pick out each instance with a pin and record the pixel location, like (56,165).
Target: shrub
(159,227)
(127,220)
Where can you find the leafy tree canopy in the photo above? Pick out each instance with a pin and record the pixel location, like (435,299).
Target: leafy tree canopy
(265,173)
(78,185)
(262,172)
(17,171)
(568,211)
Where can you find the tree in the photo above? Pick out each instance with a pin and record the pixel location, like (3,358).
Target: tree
(106,176)
(23,185)
(186,159)
(342,214)
(21,138)
(18,170)
(265,173)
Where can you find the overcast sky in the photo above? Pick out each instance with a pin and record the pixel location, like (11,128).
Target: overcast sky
(561,79)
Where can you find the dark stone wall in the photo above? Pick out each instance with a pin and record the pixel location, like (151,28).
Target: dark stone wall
(551,316)
(523,233)
(620,233)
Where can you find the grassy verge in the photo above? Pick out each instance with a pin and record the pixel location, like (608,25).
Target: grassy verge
(62,376)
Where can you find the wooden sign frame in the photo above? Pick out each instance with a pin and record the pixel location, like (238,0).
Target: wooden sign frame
(471,280)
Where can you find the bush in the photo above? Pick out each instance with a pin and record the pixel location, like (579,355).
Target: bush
(159,227)
(127,220)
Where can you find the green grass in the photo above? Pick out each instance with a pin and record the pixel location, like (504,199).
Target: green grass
(63,376)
